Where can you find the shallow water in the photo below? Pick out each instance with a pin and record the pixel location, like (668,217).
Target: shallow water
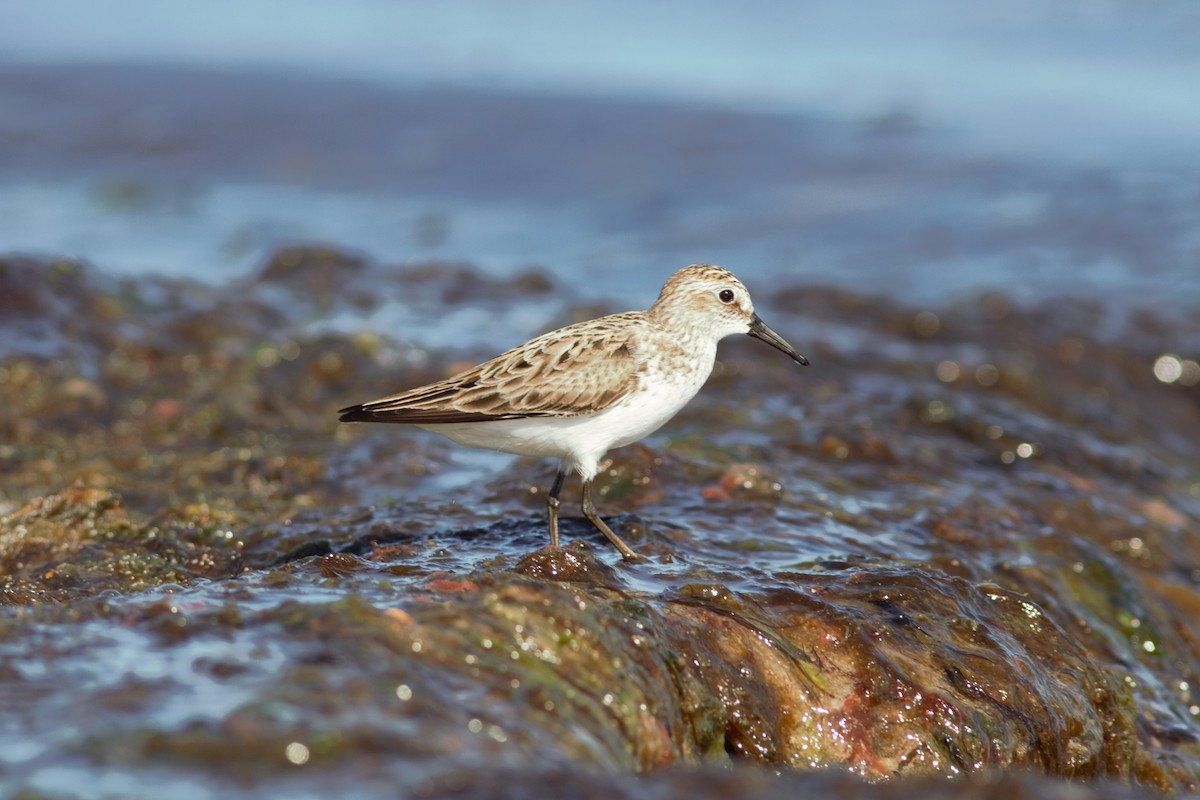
(963,543)
(935,551)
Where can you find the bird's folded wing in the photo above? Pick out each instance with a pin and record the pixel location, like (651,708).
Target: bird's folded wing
(581,369)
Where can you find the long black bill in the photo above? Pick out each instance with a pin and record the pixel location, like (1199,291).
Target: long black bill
(759,330)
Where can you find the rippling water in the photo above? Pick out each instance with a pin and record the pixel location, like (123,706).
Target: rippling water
(963,540)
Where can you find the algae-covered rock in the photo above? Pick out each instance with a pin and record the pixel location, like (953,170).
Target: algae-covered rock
(81,542)
(920,564)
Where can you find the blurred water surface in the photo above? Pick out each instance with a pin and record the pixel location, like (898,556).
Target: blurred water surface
(927,149)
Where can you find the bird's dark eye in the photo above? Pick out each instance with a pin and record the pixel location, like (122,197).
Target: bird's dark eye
(725,295)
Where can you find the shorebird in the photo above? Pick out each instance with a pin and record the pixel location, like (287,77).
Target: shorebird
(577,392)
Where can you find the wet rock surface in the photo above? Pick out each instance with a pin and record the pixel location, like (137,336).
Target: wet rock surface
(962,542)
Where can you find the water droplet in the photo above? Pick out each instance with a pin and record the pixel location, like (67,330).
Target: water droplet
(297,753)
(926,323)
(987,375)
(1168,368)
(947,371)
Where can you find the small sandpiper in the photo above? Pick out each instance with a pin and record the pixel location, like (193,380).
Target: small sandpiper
(579,391)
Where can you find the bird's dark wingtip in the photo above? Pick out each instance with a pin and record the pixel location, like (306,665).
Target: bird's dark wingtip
(353,414)
(385,411)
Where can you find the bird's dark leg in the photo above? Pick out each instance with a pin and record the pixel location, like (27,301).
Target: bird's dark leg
(552,505)
(589,511)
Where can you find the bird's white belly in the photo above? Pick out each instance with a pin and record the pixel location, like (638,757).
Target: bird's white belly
(583,440)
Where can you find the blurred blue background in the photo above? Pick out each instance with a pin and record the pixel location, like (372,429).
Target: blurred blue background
(928,149)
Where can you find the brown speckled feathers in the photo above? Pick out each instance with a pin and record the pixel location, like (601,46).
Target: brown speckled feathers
(580,369)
